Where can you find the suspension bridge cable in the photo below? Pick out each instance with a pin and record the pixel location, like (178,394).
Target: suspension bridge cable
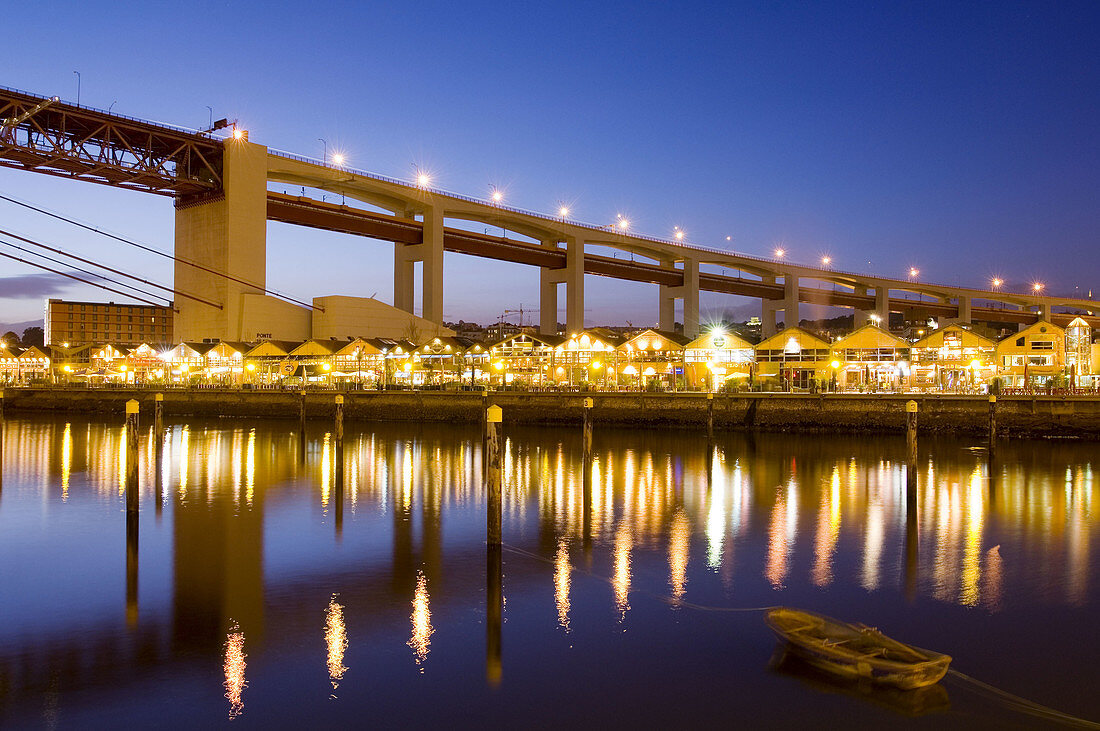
(97,275)
(158,252)
(110,269)
(73,276)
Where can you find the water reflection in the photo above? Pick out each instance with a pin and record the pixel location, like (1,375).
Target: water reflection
(234,667)
(336,640)
(421,618)
(239,538)
(563,576)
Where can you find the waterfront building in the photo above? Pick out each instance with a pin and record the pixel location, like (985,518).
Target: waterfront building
(584,358)
(79,323)
(716,358)
(20,365)
(870,358)
(1033,357)
(528,358)
(186,361)
(269,361)
(952,358)
(650,358)
(313,360)
(450,359)
(360,361)
(794,358)
(1079,361)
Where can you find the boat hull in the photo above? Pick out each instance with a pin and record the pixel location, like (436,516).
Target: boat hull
(854,651)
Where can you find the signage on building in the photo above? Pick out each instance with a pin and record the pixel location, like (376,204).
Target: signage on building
(286,367)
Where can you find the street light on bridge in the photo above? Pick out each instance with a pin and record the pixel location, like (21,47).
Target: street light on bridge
(324,159)
(1037,287)
(678,233)
(563,211)
(497,195)
(997,282)
(338,158)
(780,253)
(913,272)
(623,224)
(422,178)
(826,260)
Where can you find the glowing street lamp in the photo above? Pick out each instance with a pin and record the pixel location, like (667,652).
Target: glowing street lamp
(826,261)
(238,134)
(623,223)
(780,253)
(1038,286)
(423,179)
(913,272)
(997,282)
(338,158)
(563,212)
(497,196)
(679,233)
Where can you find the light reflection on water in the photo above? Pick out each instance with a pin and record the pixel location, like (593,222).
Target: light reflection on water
(251,528)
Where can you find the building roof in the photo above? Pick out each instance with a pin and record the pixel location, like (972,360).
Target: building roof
(272,349)
(1042,327)
(728,340)
(868,337)
(969,338)
(651,339)
(550,341)
(805,340)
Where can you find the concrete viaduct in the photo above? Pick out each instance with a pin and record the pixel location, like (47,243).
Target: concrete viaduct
(224,198)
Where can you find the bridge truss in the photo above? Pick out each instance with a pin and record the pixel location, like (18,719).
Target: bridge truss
(49,136)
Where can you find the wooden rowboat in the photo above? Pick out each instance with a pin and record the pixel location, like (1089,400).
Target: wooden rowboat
(855,651)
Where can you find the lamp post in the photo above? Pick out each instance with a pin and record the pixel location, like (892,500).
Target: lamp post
(324,160)
(77,87)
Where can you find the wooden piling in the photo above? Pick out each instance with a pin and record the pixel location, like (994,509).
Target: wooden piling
(992,423)
(338,434)
(710,417)
(132,503)
(302,425)
(586,437)
(158,415)
(495,507)
(911,450)
(494,611)
(1,435)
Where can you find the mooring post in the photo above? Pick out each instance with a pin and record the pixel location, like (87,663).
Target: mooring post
(302,424)
(338,433)
(992,423)
(911,447)
(494,611)
(131,510)
(586,437)
(710,417)
(158,415)
(1,434)
(495,508)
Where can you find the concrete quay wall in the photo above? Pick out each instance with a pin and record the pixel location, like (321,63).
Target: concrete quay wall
(1021,416)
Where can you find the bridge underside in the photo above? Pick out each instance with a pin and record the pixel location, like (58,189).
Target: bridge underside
(341,219)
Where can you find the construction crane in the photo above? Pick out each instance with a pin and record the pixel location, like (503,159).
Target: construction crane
(505,314)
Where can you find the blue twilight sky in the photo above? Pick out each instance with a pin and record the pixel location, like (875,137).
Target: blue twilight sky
(959,138)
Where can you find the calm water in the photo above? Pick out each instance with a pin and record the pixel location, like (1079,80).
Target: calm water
(256,592)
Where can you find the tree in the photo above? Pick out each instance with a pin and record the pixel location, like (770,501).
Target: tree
(33,336)
(9,339)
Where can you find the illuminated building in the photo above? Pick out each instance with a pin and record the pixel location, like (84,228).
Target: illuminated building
(99,322)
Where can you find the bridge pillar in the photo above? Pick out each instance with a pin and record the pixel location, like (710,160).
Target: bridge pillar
(689,293)
(573,277)
(1044,312)
(430,253)
(768,307)
(964,309)
(859,317)
(882,306)
(790,300)
(226,233)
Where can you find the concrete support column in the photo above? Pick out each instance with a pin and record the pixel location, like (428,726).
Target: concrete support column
(1044,312)
(790,300)
(882,305)
(689,293)
(768,307)
(860,317)
(430,254)
(964,309)
(224,234)
(573,277)
(432,283)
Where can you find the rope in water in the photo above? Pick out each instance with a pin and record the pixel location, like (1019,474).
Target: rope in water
(1011,700)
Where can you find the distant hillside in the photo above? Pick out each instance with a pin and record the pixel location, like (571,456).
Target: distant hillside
(18,327)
